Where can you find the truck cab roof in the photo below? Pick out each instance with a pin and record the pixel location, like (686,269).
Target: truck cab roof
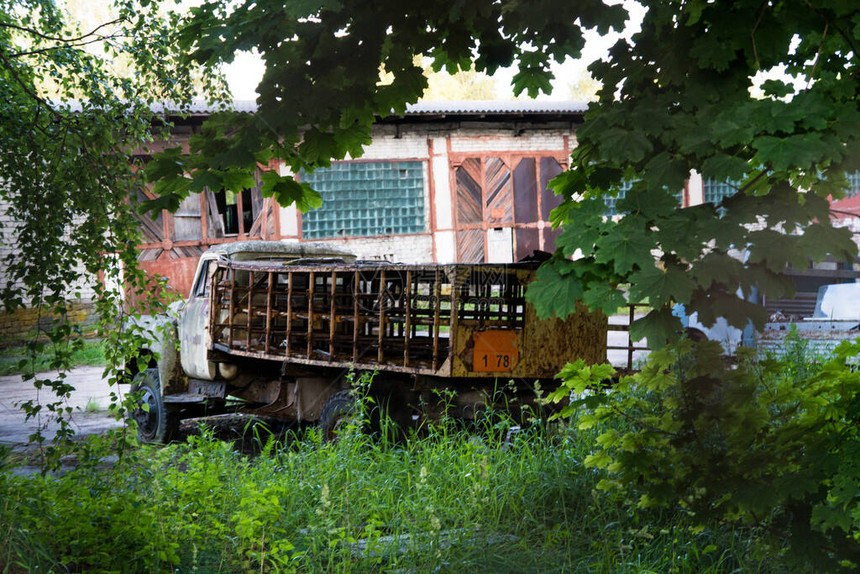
(263,250)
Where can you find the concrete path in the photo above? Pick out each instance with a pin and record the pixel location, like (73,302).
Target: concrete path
(90,389)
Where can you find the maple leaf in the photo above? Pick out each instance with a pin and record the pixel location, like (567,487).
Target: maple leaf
(775,250)
(723,167)
(287,190)
(621,145)
(649,201)
(661,286)
(657,328)
(625,246)
(797,151)
(168,164)
(737,311)
(555,290)
(600,294)
(822,239)
(665,171)
(206,179)
(237,180)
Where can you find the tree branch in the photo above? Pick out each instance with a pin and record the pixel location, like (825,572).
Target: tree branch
(27,89)
(818,54)
(69,45)
(57,38)
(752,35)
(828,22)
(761,174)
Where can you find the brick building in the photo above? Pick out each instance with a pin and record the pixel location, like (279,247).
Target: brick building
(444,182)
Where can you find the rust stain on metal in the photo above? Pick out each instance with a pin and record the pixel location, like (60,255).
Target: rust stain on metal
(441,320)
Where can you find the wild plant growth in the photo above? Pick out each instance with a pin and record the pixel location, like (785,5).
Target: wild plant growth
(499,499)
(770,444)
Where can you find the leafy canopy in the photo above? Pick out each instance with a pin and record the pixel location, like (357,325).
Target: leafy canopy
(770,444)
(678,96)
(681,96)
(76,105)
(325,64)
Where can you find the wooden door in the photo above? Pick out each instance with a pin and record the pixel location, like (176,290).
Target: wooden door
(499,192)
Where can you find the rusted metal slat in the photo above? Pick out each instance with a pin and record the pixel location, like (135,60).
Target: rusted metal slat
(356,318)
(289,313)
(248,320)
(456,285)
(311,280)
(437,303)
(332,310)
(269,312)
(366,365)
(381,329)
(231,308)
(407,326)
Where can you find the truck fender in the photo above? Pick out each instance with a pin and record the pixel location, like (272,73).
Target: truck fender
(162,346)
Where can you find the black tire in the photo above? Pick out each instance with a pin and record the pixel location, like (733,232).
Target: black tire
(695,335)
(336,413)
(157,424)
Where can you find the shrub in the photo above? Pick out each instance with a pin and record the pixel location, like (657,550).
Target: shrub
(771,443)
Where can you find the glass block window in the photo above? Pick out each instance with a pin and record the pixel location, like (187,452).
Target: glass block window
(853,184)
(612,202)
(716,191)
(366,198)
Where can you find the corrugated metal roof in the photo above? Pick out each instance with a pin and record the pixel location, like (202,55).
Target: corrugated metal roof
(452,108)
(496,107)
(203,108)
(195,108)
(848,207)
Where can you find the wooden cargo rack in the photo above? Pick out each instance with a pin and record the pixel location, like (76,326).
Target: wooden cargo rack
(445,320)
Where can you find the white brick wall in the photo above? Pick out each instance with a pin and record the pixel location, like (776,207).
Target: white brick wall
(414,142)
(394,248)
(9,245)
(387,146)
(507,141)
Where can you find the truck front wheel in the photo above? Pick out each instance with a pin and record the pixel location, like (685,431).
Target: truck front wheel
(336,414)
(155,424)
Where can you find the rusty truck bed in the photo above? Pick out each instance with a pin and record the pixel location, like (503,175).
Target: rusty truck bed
(456,320)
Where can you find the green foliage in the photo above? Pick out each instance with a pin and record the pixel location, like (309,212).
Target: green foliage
(333,67)
(503,502)
(76,107)
(770,443)
(18,360)
(679,97)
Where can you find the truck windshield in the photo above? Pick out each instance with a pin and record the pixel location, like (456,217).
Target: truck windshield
(201,288)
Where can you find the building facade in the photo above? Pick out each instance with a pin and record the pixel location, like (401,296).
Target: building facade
(444,182)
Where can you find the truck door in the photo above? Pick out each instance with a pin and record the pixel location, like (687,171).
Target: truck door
(194,327)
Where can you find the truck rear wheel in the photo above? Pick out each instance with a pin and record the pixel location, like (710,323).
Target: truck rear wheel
(155,424)
(336,413)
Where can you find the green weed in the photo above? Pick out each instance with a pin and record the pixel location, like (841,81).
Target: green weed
(501,500)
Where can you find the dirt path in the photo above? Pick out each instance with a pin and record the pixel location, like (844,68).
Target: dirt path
(90,389)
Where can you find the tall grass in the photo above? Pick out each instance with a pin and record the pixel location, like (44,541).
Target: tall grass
(451,501)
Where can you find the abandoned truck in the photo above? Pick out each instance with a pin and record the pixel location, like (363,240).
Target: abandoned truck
(273,329)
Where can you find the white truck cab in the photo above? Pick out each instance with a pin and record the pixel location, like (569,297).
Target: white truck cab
(172,365)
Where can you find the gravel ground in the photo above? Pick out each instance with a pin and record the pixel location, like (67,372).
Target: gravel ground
(91,390)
